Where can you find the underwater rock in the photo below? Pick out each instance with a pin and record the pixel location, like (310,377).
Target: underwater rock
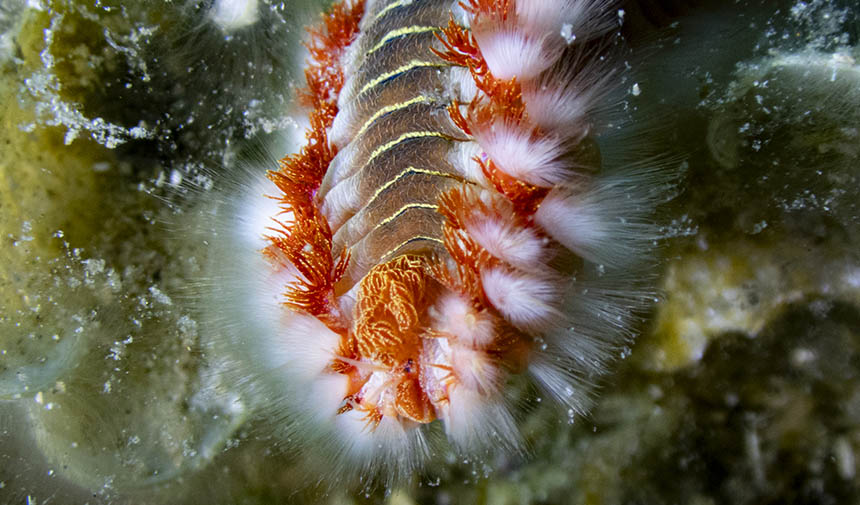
(118,118)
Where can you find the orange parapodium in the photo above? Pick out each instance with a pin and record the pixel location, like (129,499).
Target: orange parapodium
(499,103)
(305,241)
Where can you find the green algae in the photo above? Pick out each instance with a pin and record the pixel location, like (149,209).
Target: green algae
(90,337)
(46,209)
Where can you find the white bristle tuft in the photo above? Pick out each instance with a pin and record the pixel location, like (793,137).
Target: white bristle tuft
(454,315)
(581,20)
(565,98)
(269,295)
(556,377)
(556,108)
(306,344)
(474,422)
(250,283)
(518,246)
(542,16)
(259,213)
(363,439)
(605,301)
(524,300)
(536,160)
(603,225)
(462,158)
(475,369)
(388,448)
(512,53)
(325,394)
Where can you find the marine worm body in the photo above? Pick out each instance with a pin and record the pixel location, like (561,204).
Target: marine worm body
(446,225)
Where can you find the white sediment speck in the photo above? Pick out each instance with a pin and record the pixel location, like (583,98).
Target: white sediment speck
(567,33)
(845,461)
(159,296)
(175,178)
(232,15)
(52,110)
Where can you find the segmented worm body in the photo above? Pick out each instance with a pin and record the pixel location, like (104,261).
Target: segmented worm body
(439,230)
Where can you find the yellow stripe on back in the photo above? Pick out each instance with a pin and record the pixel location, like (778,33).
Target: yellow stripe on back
(391,108)
(407,171)
(400,32)
(403,137)
(399,70)
(389,253)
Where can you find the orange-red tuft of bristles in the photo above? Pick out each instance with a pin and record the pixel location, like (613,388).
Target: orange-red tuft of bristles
(501,101)
(306,240)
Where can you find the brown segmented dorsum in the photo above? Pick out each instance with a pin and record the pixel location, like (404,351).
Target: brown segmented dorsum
(429,224)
